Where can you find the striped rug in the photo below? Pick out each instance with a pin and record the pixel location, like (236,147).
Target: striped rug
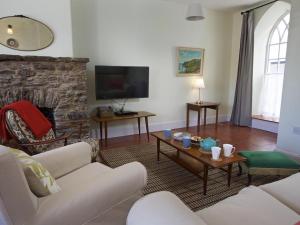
(166,175)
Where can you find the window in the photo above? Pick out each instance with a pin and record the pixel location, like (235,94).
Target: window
(271,92)
(277,45)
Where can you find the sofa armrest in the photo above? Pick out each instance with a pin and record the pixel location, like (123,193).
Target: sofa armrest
(61,161)
(88,200)
(162,208)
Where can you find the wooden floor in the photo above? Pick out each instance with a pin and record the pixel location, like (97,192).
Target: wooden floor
(243,138)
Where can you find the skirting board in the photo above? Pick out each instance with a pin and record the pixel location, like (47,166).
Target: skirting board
(129,128)
(265,125)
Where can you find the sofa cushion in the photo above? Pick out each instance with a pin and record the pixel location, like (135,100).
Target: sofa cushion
(267,159)
(38,177)
(286,191)
(83,175)
(162,208)
(251,206)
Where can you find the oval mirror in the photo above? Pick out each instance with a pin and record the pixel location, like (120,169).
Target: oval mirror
(24,34)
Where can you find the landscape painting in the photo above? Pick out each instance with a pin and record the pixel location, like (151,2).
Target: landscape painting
(190,61)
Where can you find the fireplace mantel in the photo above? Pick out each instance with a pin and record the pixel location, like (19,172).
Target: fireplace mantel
(42,59)
(56,82)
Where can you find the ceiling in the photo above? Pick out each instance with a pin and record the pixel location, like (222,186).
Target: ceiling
(222,4)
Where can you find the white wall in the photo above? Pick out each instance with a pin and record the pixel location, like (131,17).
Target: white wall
(289,126)
(145,33)
(55,13)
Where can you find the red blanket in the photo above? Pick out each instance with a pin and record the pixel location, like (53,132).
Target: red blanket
(34,119)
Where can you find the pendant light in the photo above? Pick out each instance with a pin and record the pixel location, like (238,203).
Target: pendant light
(195,12)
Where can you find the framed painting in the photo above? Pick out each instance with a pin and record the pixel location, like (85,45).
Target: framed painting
(190,61)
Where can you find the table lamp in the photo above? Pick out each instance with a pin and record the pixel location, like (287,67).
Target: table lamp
(199,83)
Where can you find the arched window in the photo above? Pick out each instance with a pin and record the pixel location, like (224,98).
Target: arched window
(277,45)
(271,92)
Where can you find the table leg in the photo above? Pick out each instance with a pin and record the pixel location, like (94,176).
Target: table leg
(205,177)
(105,127)
(187,118)
(147,128)
(139,125)
(229,172)
(100,127)
(205,111)
(158,148)
(198,121)
(217,115)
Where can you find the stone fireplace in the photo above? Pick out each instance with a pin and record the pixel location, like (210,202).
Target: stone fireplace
(55,83)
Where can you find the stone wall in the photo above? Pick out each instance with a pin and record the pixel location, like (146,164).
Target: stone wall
(59,83)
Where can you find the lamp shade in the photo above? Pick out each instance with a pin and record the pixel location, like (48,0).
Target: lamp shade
(195,12)
(199,83)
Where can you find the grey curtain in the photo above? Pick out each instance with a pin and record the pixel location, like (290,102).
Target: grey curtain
(242,107)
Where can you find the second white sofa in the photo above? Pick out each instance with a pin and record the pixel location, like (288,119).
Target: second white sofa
(276,203)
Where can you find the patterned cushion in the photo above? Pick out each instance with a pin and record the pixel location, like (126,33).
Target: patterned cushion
(19,129)
(95,147)
(94,143)
(39,179)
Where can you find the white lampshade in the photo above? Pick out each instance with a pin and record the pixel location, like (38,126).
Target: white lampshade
(199,83)
(195,12)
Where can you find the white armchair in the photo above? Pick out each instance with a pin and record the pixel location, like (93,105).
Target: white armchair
(91,194)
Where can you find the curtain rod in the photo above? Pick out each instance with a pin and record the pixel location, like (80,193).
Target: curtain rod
(249,10)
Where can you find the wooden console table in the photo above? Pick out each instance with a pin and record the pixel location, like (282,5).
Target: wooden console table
(197,107)
(106,120)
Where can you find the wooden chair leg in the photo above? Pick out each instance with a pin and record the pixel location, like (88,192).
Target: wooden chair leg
(66,142)
(249,179)
(240,170)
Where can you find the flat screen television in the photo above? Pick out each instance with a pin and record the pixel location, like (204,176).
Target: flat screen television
(117,82)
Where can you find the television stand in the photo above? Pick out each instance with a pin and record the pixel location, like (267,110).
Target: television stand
(105,120)
(125,113)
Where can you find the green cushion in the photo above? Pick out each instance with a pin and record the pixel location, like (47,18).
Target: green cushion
(267,159)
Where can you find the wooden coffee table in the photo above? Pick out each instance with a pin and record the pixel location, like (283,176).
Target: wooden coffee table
(194,160)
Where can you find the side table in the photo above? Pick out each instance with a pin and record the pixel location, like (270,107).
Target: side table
(198,107)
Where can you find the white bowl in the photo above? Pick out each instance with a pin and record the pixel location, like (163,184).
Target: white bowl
(178,136)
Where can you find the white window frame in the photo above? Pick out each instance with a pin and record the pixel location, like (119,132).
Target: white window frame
(274,28)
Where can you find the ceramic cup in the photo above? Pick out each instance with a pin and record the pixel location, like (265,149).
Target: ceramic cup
(186,140)
(168,133)
(228,150)
(216,151)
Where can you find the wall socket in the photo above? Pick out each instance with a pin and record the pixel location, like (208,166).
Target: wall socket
(296,130)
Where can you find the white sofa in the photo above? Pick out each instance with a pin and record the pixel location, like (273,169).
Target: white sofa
(92,193)
(276,203)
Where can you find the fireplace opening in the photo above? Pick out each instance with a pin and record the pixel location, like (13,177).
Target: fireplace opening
(49,114)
